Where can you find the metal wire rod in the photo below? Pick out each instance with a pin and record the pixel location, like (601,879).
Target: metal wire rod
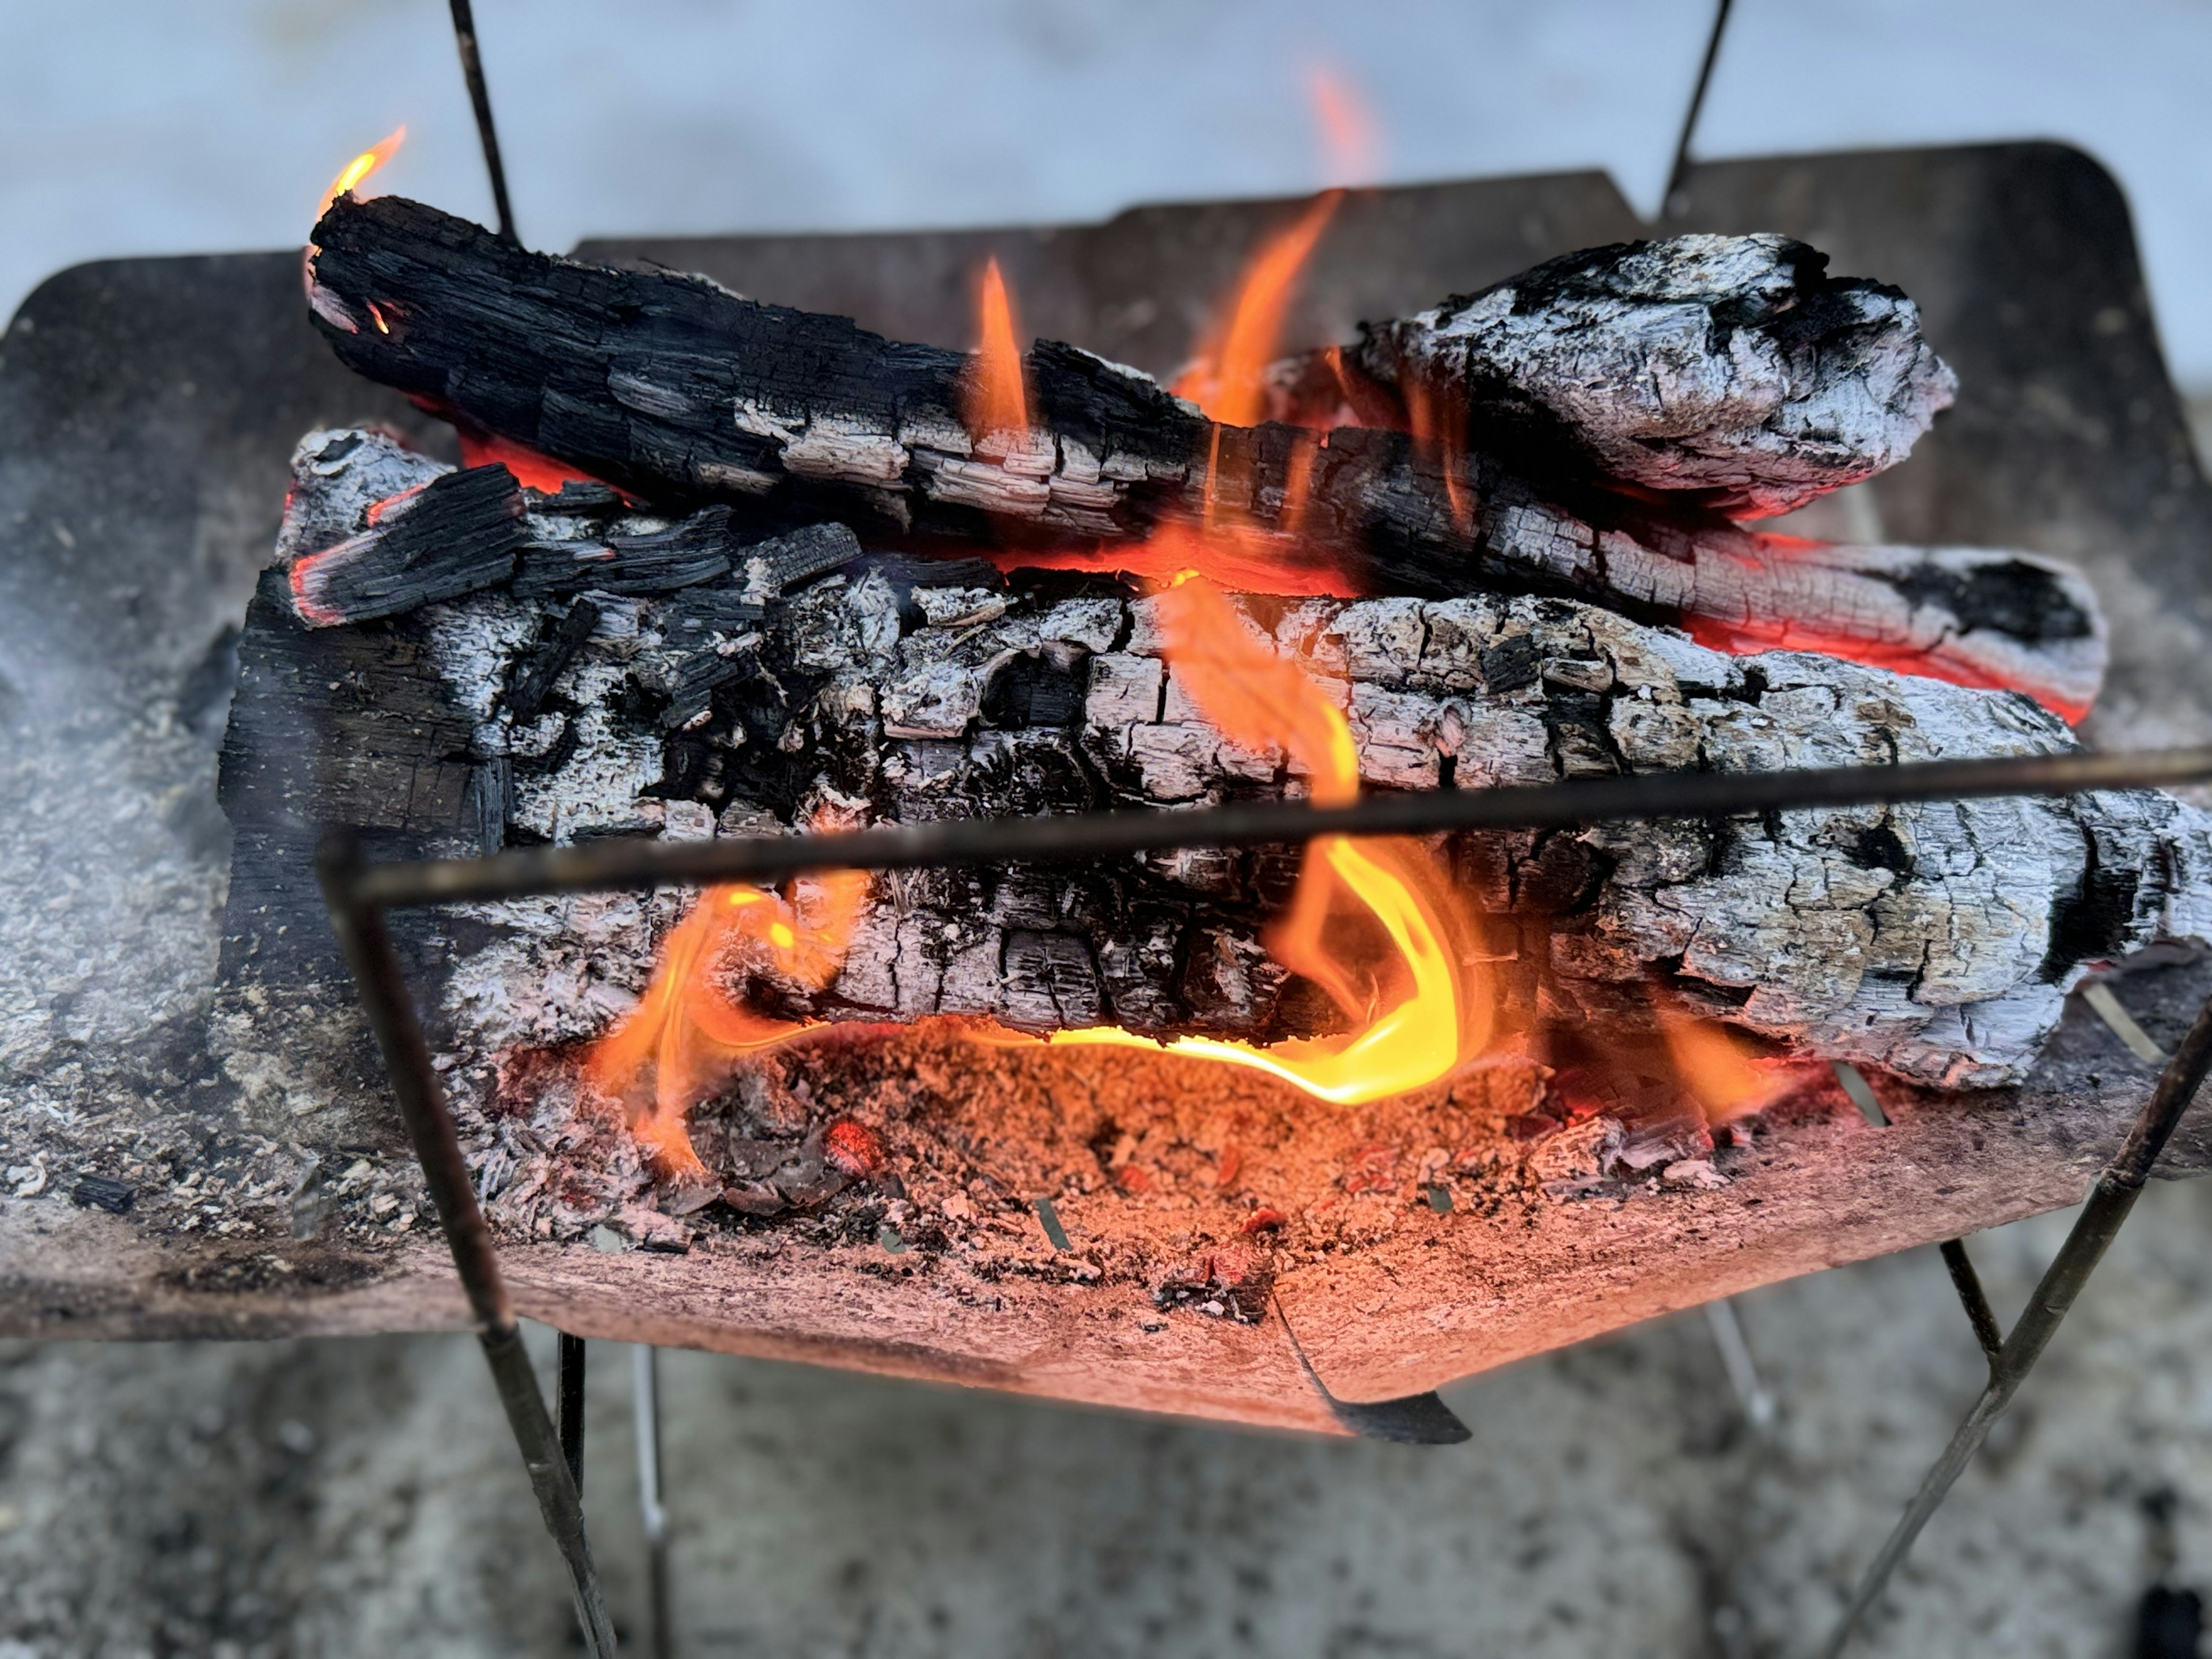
(2109,1203)
(1968,1284)
(652,1514)
(465,36)
(382,984)
(568,1408)
(1681,167)
(631,862)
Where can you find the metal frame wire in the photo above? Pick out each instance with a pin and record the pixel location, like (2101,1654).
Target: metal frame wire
(359,893)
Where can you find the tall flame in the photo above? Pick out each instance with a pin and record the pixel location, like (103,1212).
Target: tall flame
(1376,923)
(1228,378)
(1351,145)
(676,1046)
(998,401)
(357,171)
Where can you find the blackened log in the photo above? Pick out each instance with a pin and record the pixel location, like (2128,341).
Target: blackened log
(449,537)
(1937,940)
(681,393)
(1731,369)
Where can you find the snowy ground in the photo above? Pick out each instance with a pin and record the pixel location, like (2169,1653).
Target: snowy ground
(363,1499)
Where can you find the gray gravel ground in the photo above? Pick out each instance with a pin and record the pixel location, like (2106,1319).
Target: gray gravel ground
(360,1497)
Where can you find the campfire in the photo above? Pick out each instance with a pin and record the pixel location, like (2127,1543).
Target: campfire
(713,568)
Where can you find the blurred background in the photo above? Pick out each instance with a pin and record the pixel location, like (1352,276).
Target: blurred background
(305,1498)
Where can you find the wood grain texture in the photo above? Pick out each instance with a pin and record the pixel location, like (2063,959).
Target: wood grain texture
(675,389)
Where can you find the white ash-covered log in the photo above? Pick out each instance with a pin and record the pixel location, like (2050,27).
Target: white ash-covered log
(672,388)
(1732,370)
(1935,940)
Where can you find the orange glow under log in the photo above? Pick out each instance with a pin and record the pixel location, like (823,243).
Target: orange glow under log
(998,398)
(1748,639)
(538,471)
(1721,1074)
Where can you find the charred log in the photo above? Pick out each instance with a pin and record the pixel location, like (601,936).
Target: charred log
(1937,940)
(1732,370)
(682,392)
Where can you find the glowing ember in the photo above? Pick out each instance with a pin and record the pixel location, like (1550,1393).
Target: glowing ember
(530,468)
(676,1046)
(999,405)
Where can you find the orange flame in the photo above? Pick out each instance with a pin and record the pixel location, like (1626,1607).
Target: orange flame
(1720,1073)
(676,1046)
(1227,381)
(1375,922)
(998,401)
(1352,148)
(358,170)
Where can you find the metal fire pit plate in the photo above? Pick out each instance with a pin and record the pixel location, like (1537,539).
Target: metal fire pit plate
(147,409)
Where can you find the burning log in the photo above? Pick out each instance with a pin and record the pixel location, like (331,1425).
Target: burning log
(676,390)
(1935,940)
(1730,369)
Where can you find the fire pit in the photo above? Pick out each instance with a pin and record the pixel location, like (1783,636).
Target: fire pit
(1405,1240)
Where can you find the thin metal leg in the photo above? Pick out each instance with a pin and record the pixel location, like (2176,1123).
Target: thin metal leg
(2109,1203)
(1680,170)
(569,1390)
(383,985)
(465,36)
(1968,1284)
(645,1380)
(1735,1360)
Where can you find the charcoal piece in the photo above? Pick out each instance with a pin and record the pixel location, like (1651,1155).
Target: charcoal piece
(775,566)
(696,613)
(491,790)
(679,391)
(1510,664)
(95,1192)
(582,496)
(697,549)
(692,684)
(1051,983)
(456,534)
(534,683)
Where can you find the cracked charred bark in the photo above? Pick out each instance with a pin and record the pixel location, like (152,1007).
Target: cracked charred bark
(1937,939)
(675,389)
(1728,370)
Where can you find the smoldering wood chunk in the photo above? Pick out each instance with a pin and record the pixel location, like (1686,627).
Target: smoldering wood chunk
(1936,939)
(681,393)
(783,562)
(699,549)
(450,536)
(534,680)
(1731,367)
(1051,983)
